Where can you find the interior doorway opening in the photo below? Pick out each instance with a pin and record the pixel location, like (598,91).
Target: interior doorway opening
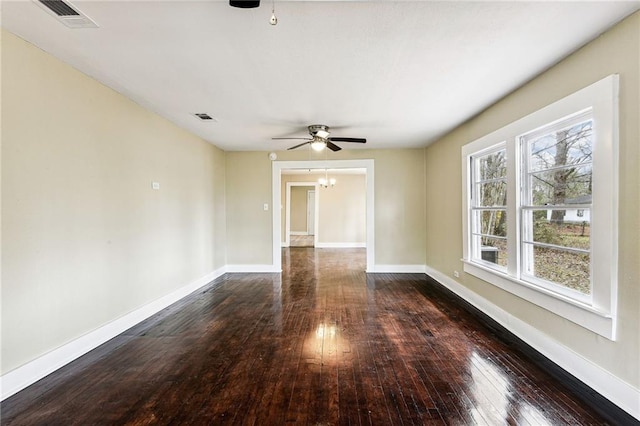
(328,202)
(301,214)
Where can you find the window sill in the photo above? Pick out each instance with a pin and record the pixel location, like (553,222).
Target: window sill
(593,319)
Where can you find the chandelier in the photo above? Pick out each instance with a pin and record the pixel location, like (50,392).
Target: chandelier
(325,181)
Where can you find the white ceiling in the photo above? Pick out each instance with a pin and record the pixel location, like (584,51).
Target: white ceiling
(398,73)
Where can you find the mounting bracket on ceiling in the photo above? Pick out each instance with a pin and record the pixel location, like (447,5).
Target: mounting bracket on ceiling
(244,4)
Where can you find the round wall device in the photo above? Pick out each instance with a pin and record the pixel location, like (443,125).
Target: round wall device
(272,156)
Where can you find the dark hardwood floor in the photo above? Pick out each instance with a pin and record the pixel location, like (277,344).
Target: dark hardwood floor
(326,344)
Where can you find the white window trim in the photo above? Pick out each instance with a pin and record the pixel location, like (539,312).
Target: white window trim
(599,315)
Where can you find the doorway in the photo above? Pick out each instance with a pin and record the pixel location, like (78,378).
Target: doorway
(279,214)
(298,216)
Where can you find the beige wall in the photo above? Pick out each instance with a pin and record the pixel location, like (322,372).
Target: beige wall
(343,211)
(399,203)
(342,208)
(298,209)
(85,239)
(617,51)
(248,188)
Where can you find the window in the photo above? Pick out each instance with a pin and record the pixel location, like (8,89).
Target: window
(540,207)
(557,171)
(489,208)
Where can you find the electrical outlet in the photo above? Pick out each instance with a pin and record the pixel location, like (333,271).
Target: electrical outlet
(456,274)
(266,207)
(155,185)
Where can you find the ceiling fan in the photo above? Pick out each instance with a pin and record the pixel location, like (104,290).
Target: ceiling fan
(320,139)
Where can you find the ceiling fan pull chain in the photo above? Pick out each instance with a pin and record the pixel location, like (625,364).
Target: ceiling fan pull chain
(274,19)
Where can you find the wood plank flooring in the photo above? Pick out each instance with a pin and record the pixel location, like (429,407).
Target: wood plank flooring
(301,240)
(322,344)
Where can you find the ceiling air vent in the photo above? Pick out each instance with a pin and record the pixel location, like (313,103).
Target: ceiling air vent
(204,116)
(67,14)
(59,7)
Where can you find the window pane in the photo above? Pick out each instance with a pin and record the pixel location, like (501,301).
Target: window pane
(491,222)
(492,194)
(567,269)
(574,232)
(558,166)
(492,166)
(571,185)
(569,146)
(493,250)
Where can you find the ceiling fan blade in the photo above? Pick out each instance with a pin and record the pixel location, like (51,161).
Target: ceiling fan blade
(356,140)
(298,146)
(300,139)
(333,147)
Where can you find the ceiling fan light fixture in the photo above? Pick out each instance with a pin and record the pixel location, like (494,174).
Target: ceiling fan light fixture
(322,133)
(318,145)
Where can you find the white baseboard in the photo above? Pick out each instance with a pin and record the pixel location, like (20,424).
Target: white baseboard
(398,269)
(284,244)
(298,233)
(619,392)
(341,245)
(25,375)
(252,268)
